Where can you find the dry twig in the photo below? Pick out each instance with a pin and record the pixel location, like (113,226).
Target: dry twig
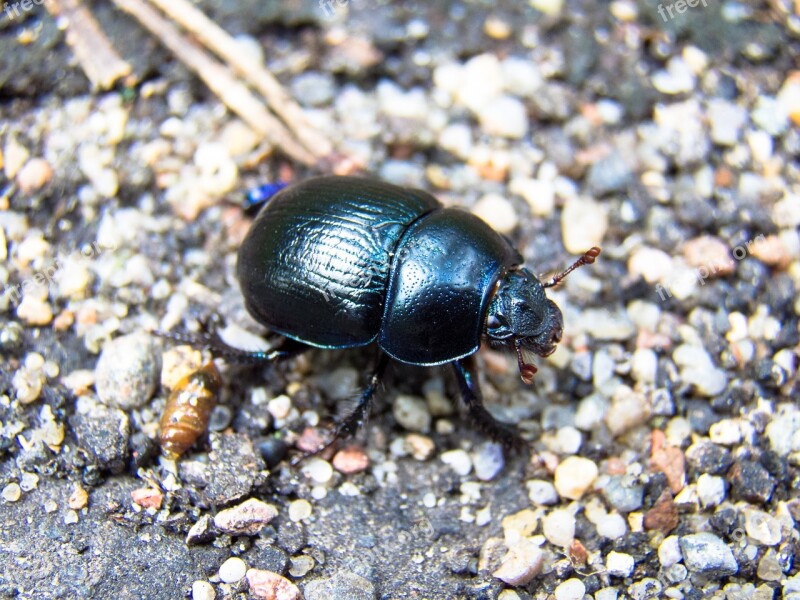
(215,38)
(218,78)
(97,57)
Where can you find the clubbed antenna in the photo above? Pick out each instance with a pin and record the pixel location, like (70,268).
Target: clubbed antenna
(587,259)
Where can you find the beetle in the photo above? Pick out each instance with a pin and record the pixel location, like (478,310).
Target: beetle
(341,262)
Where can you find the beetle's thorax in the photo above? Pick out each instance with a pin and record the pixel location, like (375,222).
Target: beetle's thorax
(521,316)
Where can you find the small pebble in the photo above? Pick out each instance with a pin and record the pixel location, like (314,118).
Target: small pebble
(301,565)
(762,527)
(574,476)
(706,553)
(644,365)
(71,518)
(36,173)
(583,224)
(498,212)
(612,526)
(232,570)
(559,527)
(344,585)
(710,490)
(35,311)
(12,492)
(669,551)
(504,116)
(488,461)
(147,497)
(458,460)
(571,589)
(619,564)
(412,413)
(421,447)
(78,499)
(299,510)
(247,518)
(351,460)
(541,493)
(318,470)
(202,590)
(523,562)
(127,372)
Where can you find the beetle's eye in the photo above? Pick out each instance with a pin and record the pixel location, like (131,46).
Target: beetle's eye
(492,322)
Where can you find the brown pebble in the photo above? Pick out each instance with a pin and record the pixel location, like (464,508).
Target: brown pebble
(615,466)
(310,440)
(350,460)
(771,251)
(148,497)
(669,460)
(663,516)
(247,518)
(267,585)
(723,177)
(710,254)
(78,499)
(36,173)
(578,554)
(64,320)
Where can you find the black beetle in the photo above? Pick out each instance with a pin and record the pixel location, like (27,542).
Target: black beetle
(340,262)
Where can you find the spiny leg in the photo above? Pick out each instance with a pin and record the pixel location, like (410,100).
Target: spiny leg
(212,341)
(349,425)
(467,375)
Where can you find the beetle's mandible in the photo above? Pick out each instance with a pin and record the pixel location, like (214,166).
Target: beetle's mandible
(340,262)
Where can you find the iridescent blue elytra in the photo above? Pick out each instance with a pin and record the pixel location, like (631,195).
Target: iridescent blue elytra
(337,262)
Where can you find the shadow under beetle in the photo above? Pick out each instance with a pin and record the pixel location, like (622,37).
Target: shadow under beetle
(341,262)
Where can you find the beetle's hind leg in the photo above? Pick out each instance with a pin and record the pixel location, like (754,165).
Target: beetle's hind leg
(210,339)
(467,375)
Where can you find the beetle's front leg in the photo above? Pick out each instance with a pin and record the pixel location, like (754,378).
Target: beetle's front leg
(467,375)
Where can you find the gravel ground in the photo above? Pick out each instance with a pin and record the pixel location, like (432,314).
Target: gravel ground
(664,434)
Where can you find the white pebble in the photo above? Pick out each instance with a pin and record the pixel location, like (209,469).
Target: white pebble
(619,564)
(497,212)
(319,470)
(541,492)
(710,490)
(299,510)
(669,552)
(574,476)
(583,224)
(457,139)
(559,527)
(644,364)
(458,460)
(504,117)
(571,589)
(12,492)
(762,527)
(488,461)
(539,194)
(612,526)
(202,590)
(726,432)
(232,570)
(412,413)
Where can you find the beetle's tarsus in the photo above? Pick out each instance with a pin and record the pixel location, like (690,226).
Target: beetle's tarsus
(467,375)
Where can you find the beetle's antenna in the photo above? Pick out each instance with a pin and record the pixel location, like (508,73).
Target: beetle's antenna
(587,259)
(526,370)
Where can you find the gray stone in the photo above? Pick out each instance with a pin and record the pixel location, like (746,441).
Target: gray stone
(128,371)
(623,494)
(706,553)
(104,434)
(342,586)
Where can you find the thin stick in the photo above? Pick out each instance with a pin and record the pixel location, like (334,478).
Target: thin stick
(97,57)
(587,259)
(213,37)
(218,78)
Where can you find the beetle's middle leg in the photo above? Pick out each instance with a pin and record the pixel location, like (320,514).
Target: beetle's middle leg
(467,375)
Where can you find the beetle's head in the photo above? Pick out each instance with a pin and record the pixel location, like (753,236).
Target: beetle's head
(521,316)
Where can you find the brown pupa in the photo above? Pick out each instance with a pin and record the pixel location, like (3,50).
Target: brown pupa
(188,409)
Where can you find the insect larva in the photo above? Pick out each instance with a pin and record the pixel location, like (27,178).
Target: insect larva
(188,410)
